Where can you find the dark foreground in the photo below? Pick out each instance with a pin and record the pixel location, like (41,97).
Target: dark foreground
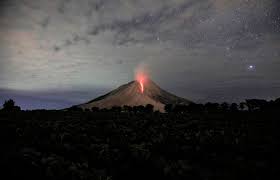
(106,145)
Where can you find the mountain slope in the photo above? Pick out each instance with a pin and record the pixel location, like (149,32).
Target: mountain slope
(130,94)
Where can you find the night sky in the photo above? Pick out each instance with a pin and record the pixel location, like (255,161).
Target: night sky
(56,53)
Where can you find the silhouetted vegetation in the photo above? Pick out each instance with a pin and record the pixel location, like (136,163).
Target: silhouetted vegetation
(9,105)
(197,141)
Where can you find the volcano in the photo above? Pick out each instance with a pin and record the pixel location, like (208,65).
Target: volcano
(136,93)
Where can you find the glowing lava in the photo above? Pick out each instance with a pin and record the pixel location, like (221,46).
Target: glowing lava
(142,86)
(141,78)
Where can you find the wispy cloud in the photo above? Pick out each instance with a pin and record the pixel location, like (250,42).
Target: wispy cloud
(198,43)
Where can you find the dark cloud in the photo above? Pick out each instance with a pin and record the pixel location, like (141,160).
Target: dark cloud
(97,5)
(77,38)
(45,22)
(5,5)
(56,48)
(68,42)
(275,13)
(124,40)
(74,41)
(148,22)
(62,6)
(275,16)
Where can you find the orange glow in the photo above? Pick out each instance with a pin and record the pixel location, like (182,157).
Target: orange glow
(142,86)
(141,77)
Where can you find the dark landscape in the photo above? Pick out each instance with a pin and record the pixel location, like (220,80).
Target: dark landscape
(198,141)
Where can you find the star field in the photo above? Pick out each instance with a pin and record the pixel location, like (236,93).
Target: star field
(64,51)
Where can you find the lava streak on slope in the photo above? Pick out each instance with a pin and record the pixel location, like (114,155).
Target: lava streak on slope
(141,78)
(142,86)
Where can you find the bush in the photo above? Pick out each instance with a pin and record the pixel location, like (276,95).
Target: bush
(9,105)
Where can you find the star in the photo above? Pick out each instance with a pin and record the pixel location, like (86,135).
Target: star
(251,67)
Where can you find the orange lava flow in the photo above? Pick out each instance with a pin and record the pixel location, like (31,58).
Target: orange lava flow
(141,76)
(142,86)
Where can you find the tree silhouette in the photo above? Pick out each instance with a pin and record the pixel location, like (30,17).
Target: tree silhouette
(192,107)
(233,107)
(117,109)
(277,101)
(224,106)
(75,108)
(54,144)
(212,107)
(242,106)
(9,105)
(168,108)
(180,108)
(127,108)
(149,108)
(95,109)
(256,104)
(138,109)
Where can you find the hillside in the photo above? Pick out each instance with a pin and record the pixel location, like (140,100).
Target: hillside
(130,94)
